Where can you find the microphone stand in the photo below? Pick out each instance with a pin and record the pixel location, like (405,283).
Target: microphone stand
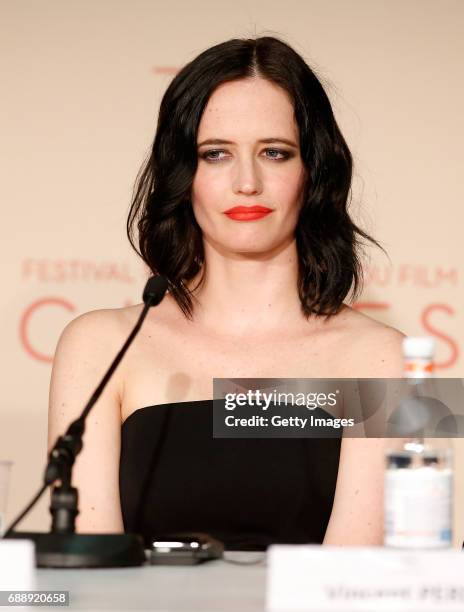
(62,547)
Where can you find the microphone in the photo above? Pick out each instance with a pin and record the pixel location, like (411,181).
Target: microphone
(62,547)
(154,290)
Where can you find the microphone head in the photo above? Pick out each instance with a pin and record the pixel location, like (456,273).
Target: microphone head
(155,290)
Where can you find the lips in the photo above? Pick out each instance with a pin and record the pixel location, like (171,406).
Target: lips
(247,213)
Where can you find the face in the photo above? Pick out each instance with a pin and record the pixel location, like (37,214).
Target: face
(248,156)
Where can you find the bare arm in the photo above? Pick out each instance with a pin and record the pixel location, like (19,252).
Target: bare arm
(83,354)
(357,514)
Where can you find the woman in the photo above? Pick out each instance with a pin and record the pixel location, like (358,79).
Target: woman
(242,206)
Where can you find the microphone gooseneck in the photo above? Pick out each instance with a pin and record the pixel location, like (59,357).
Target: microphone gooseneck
(62,547)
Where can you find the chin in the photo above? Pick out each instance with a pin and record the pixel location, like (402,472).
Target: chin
(247,242)
(254,248)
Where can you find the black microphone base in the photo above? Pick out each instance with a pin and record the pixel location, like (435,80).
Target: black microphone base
(85,550)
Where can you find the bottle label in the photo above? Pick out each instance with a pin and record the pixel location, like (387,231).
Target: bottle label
(418,367)
(418,507)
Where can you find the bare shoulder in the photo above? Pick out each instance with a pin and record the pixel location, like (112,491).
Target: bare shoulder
(373,347)
(85,349)
(94,338)
(100,329)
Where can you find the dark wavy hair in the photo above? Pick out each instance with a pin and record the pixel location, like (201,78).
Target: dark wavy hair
(161,213)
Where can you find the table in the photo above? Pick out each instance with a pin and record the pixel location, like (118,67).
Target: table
(212,586)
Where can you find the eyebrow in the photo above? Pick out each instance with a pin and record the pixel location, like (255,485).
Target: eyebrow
(219,141)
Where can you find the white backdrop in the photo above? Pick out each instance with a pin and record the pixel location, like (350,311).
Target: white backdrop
(81,85)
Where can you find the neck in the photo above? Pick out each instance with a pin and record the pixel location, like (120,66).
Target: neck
(243,294)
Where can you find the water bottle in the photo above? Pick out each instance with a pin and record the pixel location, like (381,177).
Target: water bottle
(419,476)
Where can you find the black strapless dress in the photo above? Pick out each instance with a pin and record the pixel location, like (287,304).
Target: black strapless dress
(249,493)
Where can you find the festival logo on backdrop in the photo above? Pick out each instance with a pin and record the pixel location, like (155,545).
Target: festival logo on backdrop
(431,316)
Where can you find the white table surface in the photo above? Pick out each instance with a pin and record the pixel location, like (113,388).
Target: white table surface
(212,586)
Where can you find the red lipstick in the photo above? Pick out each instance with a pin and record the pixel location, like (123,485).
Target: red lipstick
(247,213)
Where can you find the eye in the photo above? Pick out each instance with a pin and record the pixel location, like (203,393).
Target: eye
(216,155)
(278,152)
(212,155)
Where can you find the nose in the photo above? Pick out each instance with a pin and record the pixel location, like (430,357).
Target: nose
(247,178)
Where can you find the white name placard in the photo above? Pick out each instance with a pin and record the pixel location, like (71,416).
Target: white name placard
(320,578)
(17,565)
